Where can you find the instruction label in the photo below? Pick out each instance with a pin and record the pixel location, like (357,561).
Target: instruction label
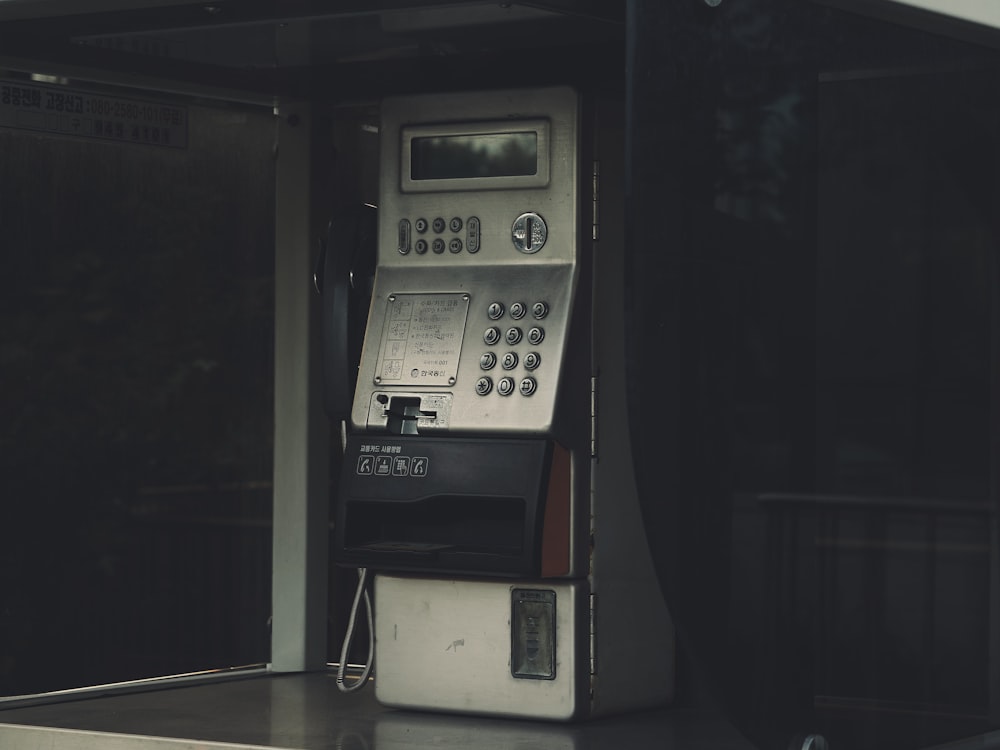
(422,339)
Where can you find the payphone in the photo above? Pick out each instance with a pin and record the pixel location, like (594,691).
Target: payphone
(486,472)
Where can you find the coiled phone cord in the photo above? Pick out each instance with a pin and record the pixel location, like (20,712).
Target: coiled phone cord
(362,592)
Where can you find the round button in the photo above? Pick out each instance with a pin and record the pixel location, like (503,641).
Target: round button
(492,335)
(420,225)
(420,246)
(505,386)
(438,225)
(484,385)
(495,310)
(532,360)
(455,245)
(535,335)
(455,224)
(517,310)
(513,335)
(487,361)
(509,361)
(438,246)
(528,386)
(539,310)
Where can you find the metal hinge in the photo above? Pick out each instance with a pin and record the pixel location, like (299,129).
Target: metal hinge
(593,416)
(596,221)
(593,634)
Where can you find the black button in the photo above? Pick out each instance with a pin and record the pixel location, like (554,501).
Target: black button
(438,225)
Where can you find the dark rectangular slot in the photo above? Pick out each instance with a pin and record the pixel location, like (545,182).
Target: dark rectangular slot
(492,525)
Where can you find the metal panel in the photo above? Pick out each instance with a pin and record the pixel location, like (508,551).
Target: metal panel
(301,429)
(477,255)
(983,12)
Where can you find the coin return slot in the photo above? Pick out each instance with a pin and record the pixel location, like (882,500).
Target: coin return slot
(436,525)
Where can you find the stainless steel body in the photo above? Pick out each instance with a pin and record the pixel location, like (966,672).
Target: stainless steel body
(596,638)
(467,239)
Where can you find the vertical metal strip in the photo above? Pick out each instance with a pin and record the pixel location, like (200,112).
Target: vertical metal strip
(301,429)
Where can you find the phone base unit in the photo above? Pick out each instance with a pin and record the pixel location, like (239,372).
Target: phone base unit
(525,649)
(512,573)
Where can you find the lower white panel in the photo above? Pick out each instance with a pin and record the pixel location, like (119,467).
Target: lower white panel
(445,645)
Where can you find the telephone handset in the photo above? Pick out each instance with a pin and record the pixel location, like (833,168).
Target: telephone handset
(344,275)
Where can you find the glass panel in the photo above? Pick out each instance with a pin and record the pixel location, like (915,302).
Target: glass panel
(135,445)
(467,156)
(814,252)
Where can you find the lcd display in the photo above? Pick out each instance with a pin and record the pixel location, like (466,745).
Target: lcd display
(472,156)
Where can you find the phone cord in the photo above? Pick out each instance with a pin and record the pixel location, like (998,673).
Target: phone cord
(362,680)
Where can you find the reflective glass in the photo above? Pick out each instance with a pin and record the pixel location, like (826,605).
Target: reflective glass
(814,284)
(136,328)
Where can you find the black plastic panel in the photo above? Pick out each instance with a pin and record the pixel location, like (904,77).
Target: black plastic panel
(460,506)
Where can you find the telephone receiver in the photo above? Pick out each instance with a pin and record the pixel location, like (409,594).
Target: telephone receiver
(344,277)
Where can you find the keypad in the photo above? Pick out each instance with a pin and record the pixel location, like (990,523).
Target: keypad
(464,235)
(526,383)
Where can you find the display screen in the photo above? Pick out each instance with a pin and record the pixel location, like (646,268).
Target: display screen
(471,156)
